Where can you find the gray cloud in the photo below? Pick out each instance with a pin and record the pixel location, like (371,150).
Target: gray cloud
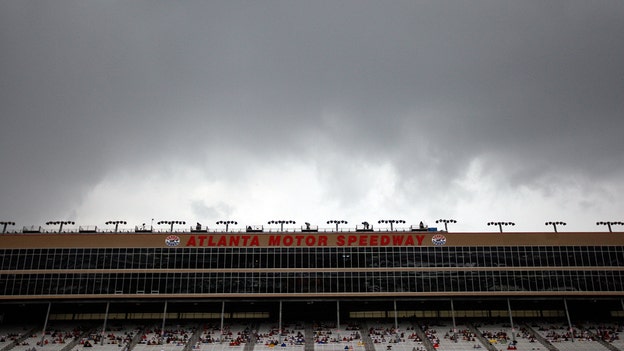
(529,90)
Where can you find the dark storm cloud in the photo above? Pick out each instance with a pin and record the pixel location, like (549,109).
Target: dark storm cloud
(533,90)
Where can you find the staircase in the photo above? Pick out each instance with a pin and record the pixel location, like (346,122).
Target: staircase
(366,339)
(23,337)
(135,340)
(425,340)
(76,340)
(541,339)
(480,337)
(309,337)
(190,343)
(252,338)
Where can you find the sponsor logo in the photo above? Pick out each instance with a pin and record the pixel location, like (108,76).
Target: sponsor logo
(172,240)
(438,240)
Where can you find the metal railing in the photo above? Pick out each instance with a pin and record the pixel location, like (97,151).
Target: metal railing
(34,229)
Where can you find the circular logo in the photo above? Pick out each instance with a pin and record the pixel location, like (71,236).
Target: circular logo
(172,240)
(438,240)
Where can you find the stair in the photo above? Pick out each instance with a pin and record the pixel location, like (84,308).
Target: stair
(309,337)
(541,339)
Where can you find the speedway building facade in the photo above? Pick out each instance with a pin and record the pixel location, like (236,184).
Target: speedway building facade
(307,273)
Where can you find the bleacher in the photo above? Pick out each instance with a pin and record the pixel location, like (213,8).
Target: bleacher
(117,337)
(326,336)
(11,334)
(609,332)
(560,336)
(234,337)
(385,336)
(57,336)
(502,336)
(171,339)
(28,342)
(446,338)
(292,337)
(330,337)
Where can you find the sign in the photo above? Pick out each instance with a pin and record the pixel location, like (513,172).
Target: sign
(303,240)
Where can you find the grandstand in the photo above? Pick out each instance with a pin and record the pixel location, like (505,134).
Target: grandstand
(307,289)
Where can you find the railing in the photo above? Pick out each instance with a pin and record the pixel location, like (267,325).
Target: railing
(198,228)
(32,229)
(423,228)
(87,229)
(363,228)
(204,229)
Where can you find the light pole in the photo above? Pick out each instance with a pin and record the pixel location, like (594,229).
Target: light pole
(60,223)
(4,225)
(281,222)
(446,221)
(391,221)
(337,221)
(227,223)
(609,224)
(116,223)
(501,224)
(171,223)
(555,224)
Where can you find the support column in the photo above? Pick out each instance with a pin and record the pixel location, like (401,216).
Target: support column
(338,314)
(396,317)
(279,327)
(105,320)
(513,330)
(565,304)
(453,316)
(222,316)
(45,324)
(162,330)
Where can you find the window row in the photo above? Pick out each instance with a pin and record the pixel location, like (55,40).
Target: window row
(312,283)
(349,257)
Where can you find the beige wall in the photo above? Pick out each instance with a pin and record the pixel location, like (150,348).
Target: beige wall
(346,239)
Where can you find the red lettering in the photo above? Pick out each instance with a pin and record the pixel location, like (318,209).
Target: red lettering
(409,240)
(191,241)
(306,240)
(246,240)
(234,240)
(363,239)
(201,240)
(274,240)
(420,239)
(222,241)
(374,240)
(210,241)
(397,240)
(322,240)
(340,240)
(310,240)
(351,239)
(385,240)
(288,240)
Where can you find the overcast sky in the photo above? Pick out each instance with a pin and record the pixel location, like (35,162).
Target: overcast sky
(201,111)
